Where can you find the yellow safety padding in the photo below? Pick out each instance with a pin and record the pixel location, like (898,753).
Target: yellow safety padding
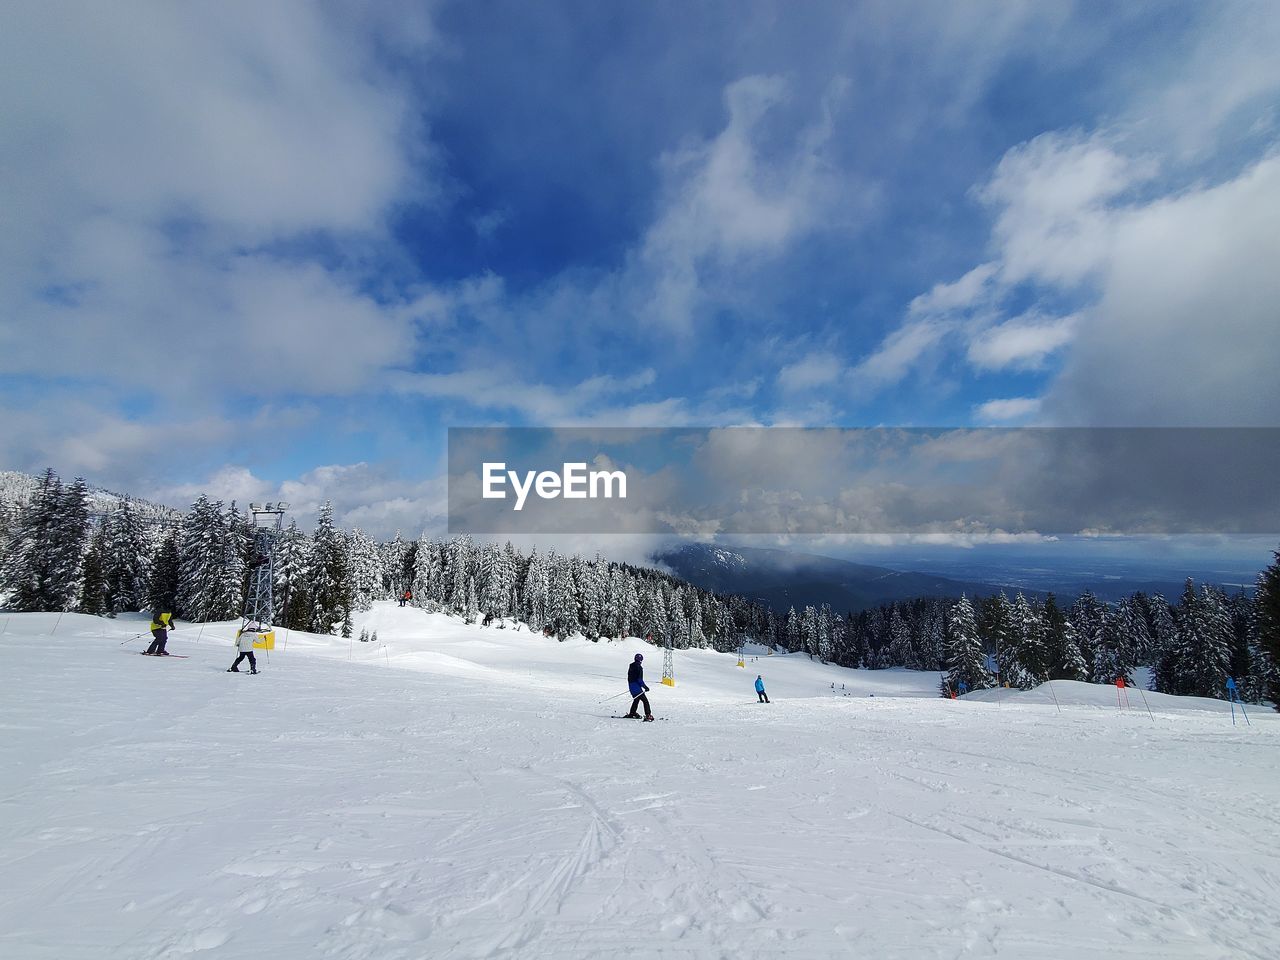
(669,681)
(265,641)
(741,664)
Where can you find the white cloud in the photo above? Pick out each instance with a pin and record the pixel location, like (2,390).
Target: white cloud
(1230,74)
(85,435)
(1005,411)
(539,403)
(898,354)
(974,288)
(1184,331)
(363,495)
(730,200)
(1051,197)
(813,370)
(157,157)
(1022,343)
(1178,283)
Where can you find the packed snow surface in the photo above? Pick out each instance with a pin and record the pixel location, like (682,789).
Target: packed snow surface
(453,791)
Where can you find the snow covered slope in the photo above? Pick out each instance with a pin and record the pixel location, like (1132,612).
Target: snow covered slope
(459,792)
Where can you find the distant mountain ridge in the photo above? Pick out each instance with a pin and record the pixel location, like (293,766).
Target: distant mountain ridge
(783,579)
(17,488)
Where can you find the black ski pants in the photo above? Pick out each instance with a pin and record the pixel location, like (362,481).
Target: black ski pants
(639,700)
(253,664)
(159,639)
(762,697)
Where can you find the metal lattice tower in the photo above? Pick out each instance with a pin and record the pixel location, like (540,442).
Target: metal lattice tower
(668,663)
(259,604)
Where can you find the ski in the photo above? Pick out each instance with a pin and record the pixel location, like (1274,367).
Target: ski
(176,656)
(619,716)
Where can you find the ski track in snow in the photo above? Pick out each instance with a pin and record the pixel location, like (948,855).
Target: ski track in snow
(454,792)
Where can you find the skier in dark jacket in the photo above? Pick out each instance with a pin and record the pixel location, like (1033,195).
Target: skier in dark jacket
(638,688)
(161,624)
(761,696)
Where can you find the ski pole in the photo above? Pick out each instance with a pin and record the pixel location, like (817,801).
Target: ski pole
(615,696)
(136,636)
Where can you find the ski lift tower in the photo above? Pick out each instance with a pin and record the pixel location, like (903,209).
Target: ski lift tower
(259,605)
(668,663)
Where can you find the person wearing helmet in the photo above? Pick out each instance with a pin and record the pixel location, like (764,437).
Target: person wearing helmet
(638,688)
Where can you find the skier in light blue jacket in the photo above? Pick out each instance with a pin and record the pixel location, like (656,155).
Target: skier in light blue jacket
(762,697)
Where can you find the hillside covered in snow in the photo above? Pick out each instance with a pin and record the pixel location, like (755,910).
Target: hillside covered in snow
(455,791)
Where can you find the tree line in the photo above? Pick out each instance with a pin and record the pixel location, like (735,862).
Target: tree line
(55,555)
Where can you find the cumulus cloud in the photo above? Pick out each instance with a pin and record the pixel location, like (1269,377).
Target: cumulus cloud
(975,287)
(1021,343)
(1184,328)
(813,370)
(1008,410)
(368,496)
(600,400)
(899,353)
(729,200)
(167,170)
(1227,78)
(1051,196)
(1176,282)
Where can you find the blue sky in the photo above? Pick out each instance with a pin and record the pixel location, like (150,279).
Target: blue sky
(277,249)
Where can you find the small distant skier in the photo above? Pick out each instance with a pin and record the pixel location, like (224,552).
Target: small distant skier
(161,624)
(761,696)
(405,598)
(488,619)
(638,688)
(964,688)
(244,644)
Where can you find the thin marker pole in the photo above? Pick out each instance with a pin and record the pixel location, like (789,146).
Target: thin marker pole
(1147,705)
(1054,695)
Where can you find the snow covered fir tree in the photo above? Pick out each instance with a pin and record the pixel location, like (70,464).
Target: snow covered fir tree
(58,555)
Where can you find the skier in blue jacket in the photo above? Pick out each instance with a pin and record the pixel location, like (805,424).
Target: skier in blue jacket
(638,688)
(761,696)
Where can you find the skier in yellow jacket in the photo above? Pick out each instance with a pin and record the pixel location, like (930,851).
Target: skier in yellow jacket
(161,624)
